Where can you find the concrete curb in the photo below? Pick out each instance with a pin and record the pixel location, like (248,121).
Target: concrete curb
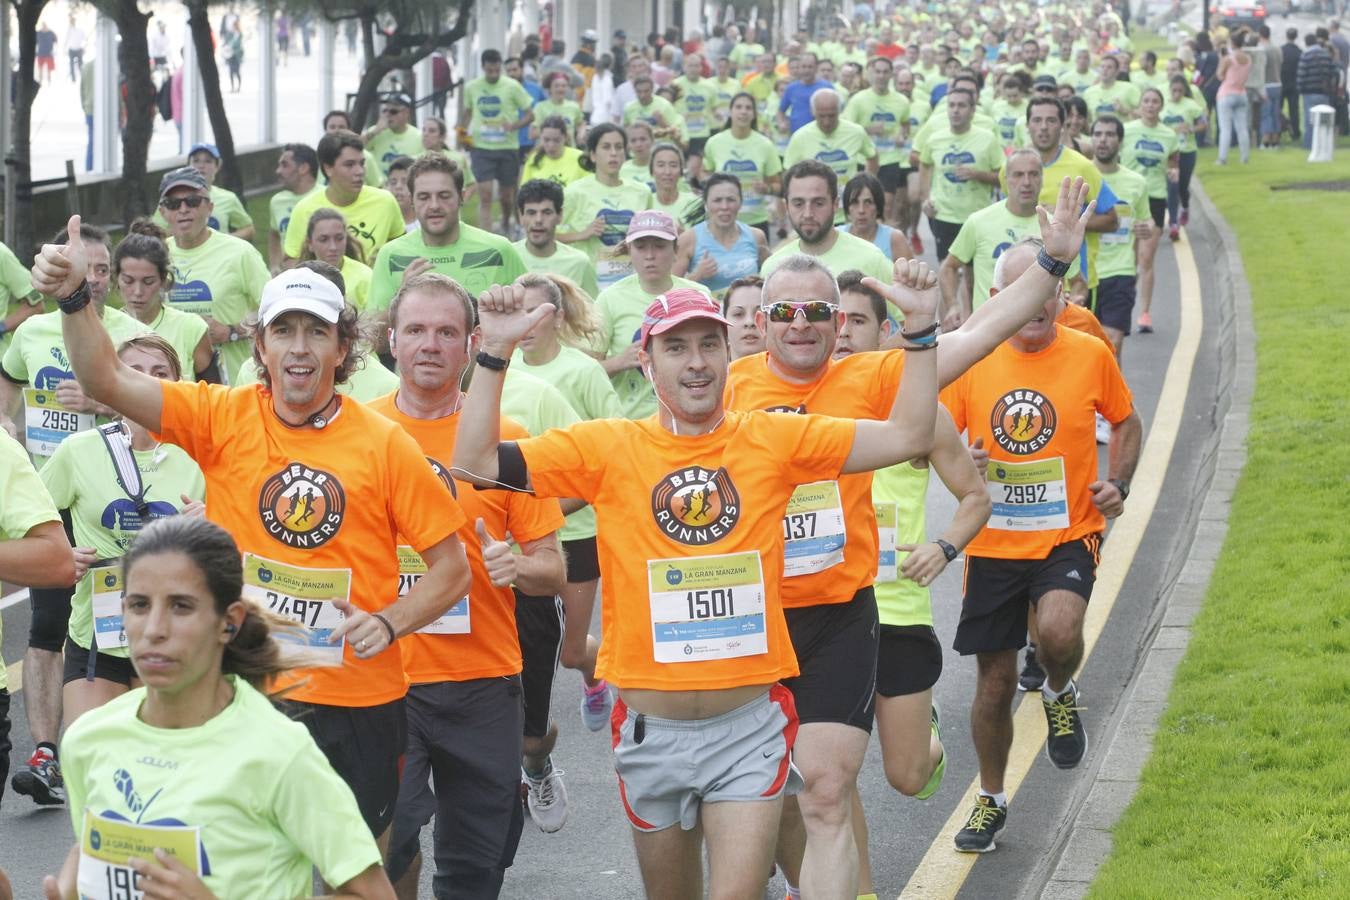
(1086,841)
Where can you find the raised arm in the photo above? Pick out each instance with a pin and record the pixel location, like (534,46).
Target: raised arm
(58,272)
(503,322)
(908,431)
(1018,303)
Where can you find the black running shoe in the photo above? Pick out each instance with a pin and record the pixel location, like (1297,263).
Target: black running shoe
(41,779)
(1067,742)
(987,819)
(1033,676)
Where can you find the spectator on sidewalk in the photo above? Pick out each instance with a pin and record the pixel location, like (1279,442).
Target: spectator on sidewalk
(75,43)
(1317,79)
(46,53)
(1290,52)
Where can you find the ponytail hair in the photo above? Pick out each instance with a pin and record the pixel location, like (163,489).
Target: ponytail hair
(580,325)
(252,653)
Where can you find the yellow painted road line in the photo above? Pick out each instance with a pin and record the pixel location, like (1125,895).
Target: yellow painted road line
(942,871)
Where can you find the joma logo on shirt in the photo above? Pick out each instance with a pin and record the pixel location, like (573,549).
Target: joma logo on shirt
(1023,421)
(302,507)
(695,505)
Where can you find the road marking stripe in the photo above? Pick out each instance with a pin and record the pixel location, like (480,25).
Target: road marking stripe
(13,598)
(942,871)
(14,672)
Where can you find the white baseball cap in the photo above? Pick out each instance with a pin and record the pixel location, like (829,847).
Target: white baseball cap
(300,290)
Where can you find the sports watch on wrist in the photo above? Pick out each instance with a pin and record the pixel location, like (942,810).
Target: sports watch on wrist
(1121,485)
(947,549)
(1055,267)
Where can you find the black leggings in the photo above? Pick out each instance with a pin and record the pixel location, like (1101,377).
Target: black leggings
(1179,193)
(51,608)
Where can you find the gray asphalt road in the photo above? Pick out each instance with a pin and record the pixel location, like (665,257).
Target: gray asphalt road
(592,857)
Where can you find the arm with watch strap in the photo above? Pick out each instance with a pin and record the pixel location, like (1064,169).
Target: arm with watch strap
(1021,301)
(952,462)
(1122,456)
(59,271)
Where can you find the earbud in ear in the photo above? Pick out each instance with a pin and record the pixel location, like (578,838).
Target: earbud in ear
(231,628)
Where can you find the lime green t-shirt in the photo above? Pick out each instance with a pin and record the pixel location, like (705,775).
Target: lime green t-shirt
(697,105)
(725,91)
(185,332)
(891,109)
(387,146)
(564,170)
(586,200)
(494,109)
(589,392)
(568,110)
(1072,164)
(751,159)
(1146,151)
(223,278)
(901,491)
(683,210)
(565,260)
(621,307)
(477,260)
(37,358)
(1185,111)
(81,477)
(16,287)
(24,505)
(845,150)
(638,173)
(373,219)
(280,207)
(660,113)
(368,381)
(1116,99)
(1011,122)
(958,198)
(268,803)
(745,53)
(356,278)
(984,237)
(536,405)
(1115,252)
(847,252)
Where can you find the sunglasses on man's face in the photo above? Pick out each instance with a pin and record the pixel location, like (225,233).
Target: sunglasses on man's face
(813,310)
(175,203)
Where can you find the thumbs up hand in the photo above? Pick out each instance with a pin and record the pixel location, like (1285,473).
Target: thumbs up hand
(59,269)
(501,564)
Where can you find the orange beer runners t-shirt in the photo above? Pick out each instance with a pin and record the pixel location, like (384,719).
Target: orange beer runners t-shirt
(314,511)
(1081,319)
(477,638)
(1035,413)
(690,538)
(830,528)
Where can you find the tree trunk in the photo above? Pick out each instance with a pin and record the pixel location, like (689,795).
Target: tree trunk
(25,91)
(401,53)
(200,25)
(141,108)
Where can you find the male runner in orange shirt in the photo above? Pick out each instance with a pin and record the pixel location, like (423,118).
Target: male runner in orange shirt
(831,537)
(1033,401)
(316,489)
(465,718)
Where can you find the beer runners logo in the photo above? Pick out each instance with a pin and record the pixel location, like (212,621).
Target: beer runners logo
(444,475)
(1023,421)
(302,507)
(695,505)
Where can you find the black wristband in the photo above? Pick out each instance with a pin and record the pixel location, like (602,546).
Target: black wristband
(76,301)
(1121,485)
(488,361)
(919,348)
(921,333)
(947,549)
(385,622)
(1055,267)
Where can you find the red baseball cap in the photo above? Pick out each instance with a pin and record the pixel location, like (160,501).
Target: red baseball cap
(675,307)
(652,223)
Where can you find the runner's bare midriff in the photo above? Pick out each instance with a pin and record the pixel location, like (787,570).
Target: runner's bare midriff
(690,704)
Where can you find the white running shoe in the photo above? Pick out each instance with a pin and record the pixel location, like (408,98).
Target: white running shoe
(546,799)
(596,705)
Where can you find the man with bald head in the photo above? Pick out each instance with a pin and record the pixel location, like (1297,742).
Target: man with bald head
(838,143)
(1032,402)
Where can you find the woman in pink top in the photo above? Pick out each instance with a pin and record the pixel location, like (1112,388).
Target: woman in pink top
(1234,112)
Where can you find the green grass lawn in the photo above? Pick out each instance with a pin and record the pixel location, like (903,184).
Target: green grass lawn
(1246,791)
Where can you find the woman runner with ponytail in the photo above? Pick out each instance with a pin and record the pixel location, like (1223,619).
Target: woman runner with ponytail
(220,793)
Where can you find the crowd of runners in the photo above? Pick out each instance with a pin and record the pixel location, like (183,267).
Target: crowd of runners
(690,363)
